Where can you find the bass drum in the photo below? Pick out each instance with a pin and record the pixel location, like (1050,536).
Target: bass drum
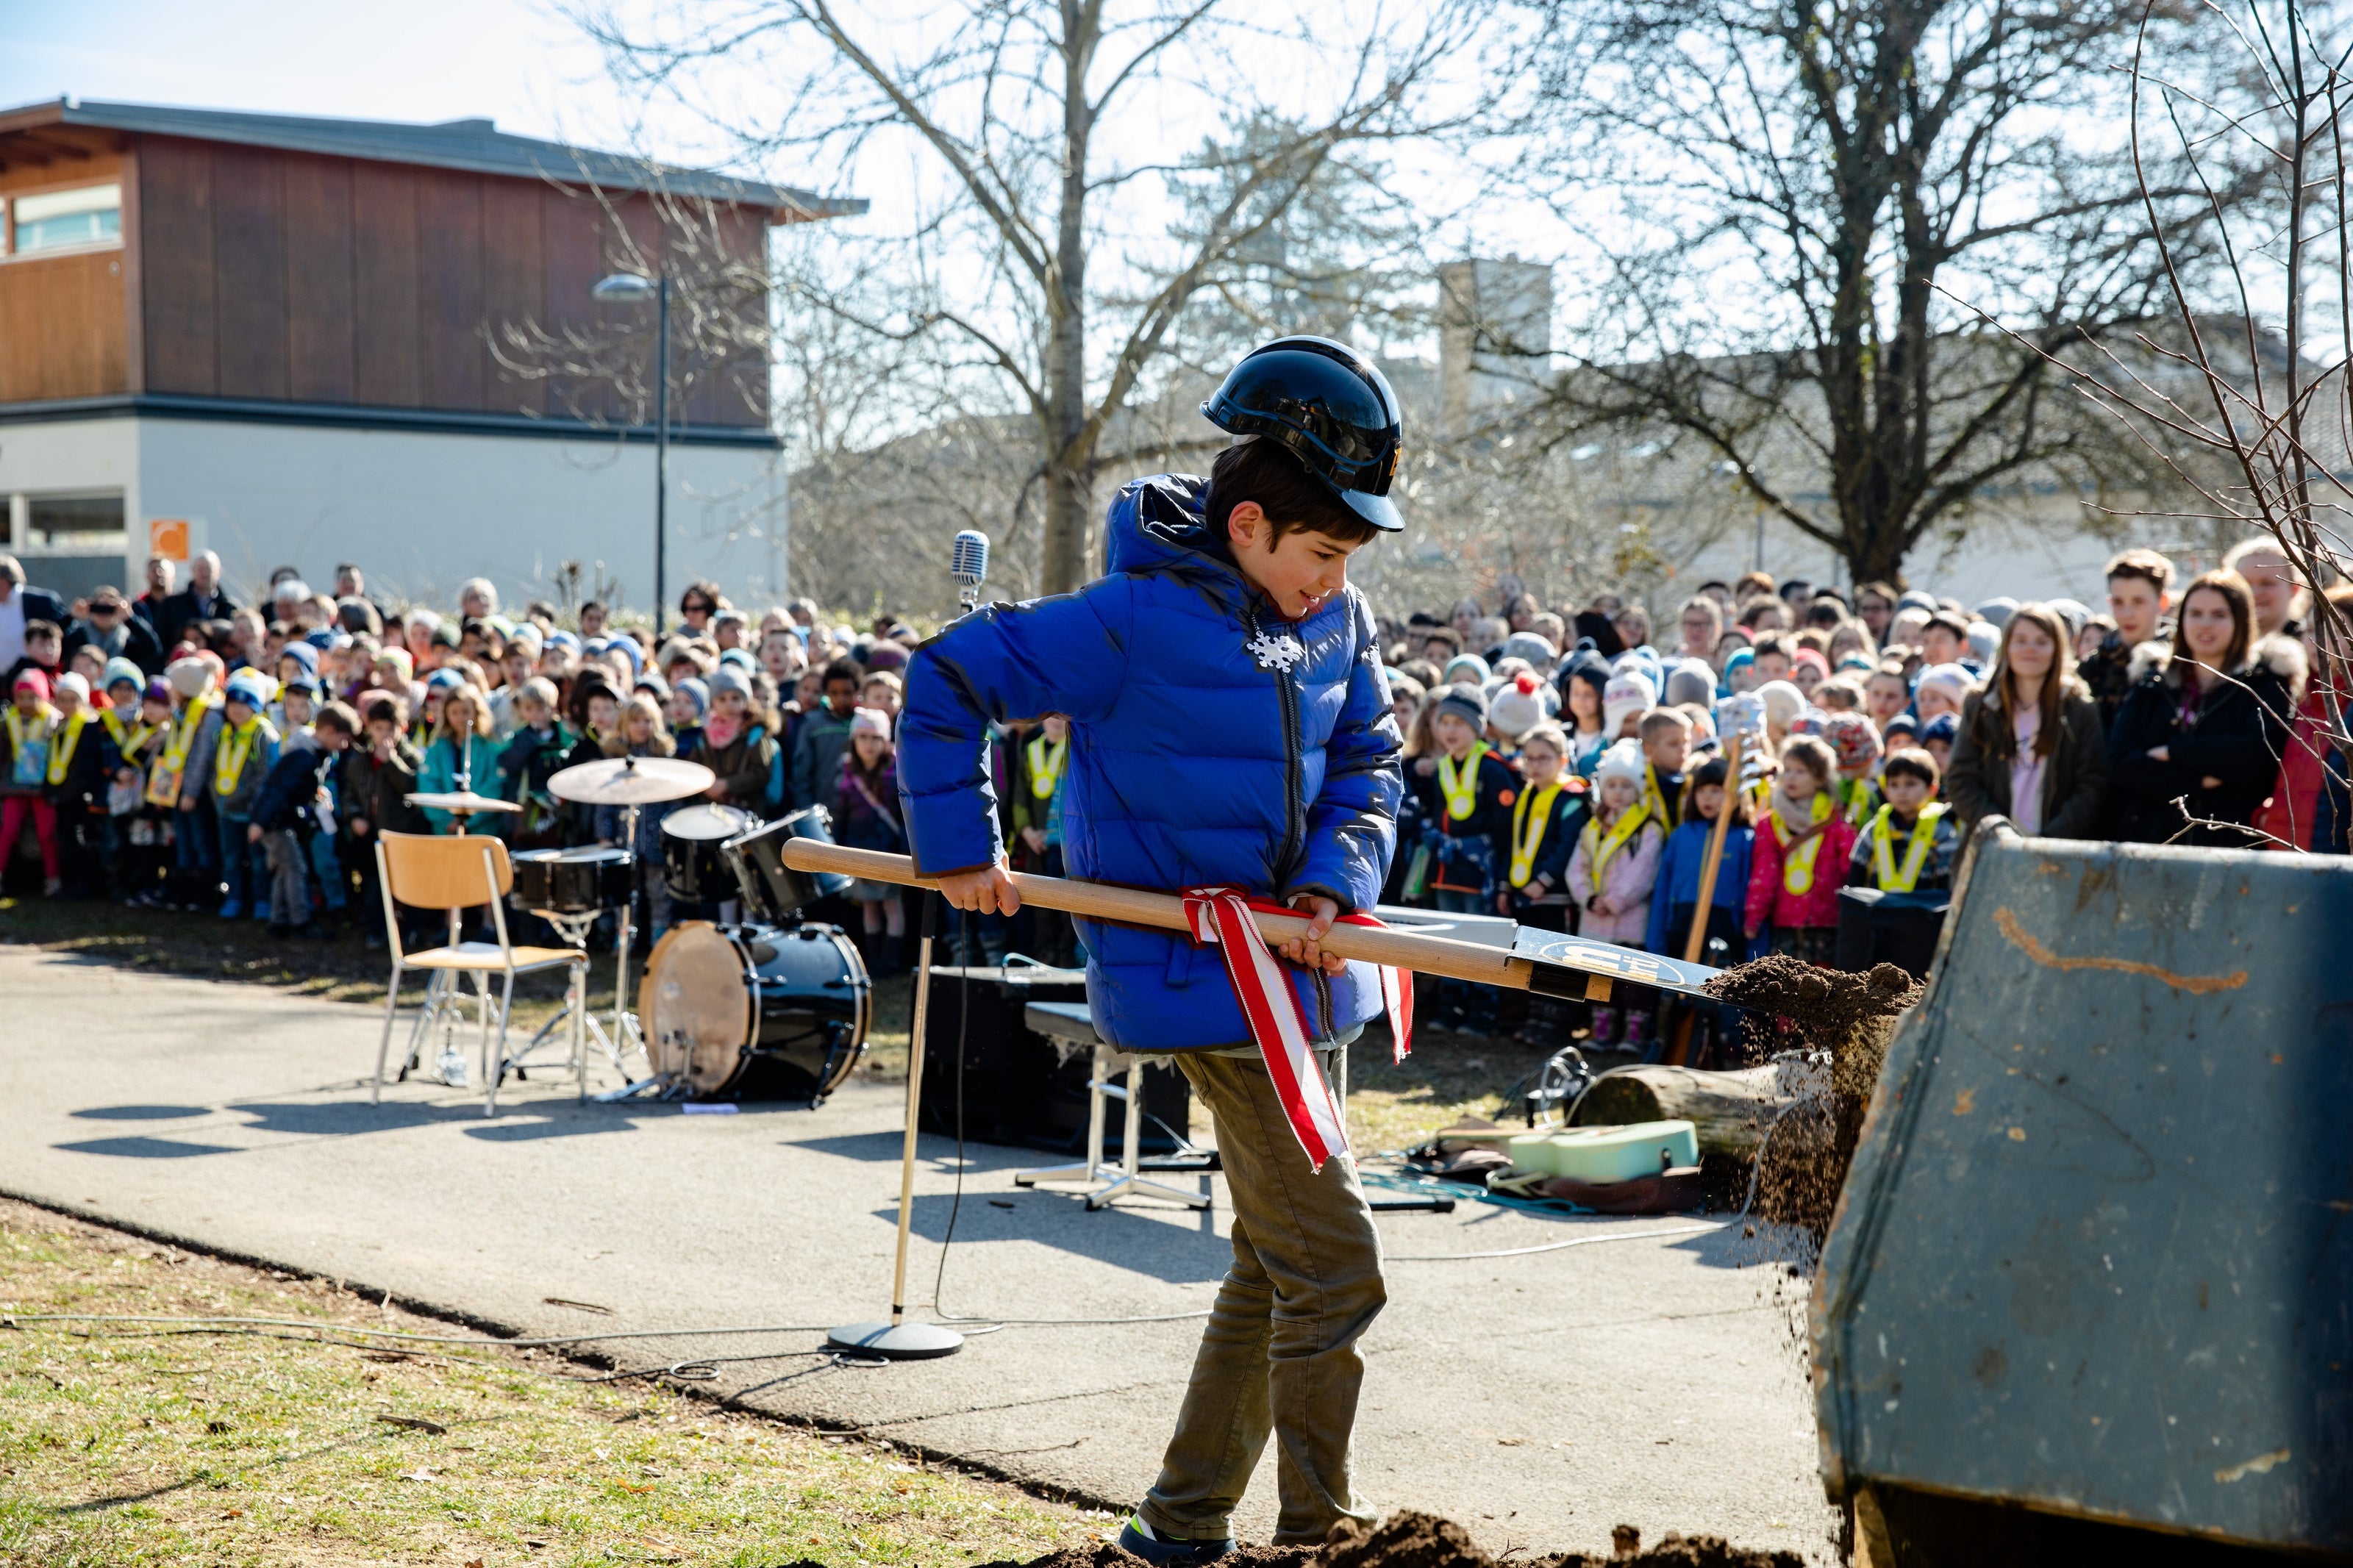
(755,1012)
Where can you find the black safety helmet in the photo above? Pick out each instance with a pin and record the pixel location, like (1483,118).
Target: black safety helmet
(1329,408)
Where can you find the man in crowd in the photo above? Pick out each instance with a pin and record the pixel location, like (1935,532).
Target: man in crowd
(149,605)
(20,605)
(2139,596)
(203,599)
(114,631)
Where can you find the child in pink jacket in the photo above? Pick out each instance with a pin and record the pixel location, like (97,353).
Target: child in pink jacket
(1610,875)
(1800,858)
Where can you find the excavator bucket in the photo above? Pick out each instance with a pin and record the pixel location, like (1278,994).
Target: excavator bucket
(2094,1255)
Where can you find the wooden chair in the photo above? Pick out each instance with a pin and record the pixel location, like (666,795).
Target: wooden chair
(454,875)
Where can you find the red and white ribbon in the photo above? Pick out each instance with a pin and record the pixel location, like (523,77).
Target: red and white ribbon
(1221,916)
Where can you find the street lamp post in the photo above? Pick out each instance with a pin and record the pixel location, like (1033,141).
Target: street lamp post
(635,288)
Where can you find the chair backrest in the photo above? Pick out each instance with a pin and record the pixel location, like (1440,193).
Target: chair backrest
(429,871)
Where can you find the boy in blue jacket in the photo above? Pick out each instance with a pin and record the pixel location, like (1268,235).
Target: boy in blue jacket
(1229,723)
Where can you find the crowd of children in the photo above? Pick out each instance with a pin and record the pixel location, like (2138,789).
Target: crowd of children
(1564,768)
(248,773)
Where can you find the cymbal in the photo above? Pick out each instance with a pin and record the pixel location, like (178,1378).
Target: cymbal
(631,781)
(462,801)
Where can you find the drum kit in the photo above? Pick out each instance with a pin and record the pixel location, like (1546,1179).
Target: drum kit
(768,1007)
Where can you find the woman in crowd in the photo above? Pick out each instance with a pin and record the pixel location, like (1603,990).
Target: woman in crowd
(462,756)
(2198,740)
(2029,746)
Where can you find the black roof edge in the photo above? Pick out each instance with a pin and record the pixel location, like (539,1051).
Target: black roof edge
(474,145)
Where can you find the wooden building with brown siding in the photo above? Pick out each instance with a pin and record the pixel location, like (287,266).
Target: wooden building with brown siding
(335,308)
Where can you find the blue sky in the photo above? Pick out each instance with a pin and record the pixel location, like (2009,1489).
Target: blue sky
(416,59)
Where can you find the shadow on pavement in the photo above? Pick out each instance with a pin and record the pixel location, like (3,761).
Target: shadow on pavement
(144,1112)
(1134,1241)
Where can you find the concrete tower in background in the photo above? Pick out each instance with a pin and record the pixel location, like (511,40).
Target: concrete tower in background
(1494,337)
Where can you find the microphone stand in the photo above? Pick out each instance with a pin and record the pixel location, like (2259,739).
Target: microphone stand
(899,1340)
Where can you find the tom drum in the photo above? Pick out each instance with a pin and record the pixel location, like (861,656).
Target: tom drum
(694,866)
(772,891)
(571,882)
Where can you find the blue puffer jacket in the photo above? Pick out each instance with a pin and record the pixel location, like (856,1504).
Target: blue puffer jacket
(1193,759)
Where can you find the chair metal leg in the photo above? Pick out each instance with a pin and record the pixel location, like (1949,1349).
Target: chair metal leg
(579,1028)
(491,1071)
(506,1004)
(384,1046)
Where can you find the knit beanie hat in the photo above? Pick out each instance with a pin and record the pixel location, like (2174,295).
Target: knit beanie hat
(727,677)
(246,685)
(119,670)
(870,721)
(1690,682)
(1901,729)
(72,681)
(693,690)
(1586,665)
(1783,702)
(189,676)
(1467,667)
(403,664)
(1519,707)
(1533,647)
(1623,760)
(1467,703)
(303,655)
(1855,742)
(36,678)
(563,639)
(158,691)
(1984,639)
(1741,657)
(1944,727)
(1952,677)
(1628,695)
(1808,656)
(737,658)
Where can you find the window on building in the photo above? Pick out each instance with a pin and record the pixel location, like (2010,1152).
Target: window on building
(58,220)
(73,524)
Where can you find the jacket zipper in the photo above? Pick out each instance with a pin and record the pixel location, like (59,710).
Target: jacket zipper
(1294,818)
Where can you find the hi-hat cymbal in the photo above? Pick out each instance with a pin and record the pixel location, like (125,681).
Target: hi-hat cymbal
(461,802)
(631,781)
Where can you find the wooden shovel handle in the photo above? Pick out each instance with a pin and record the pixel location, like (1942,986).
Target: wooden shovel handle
(1134,906)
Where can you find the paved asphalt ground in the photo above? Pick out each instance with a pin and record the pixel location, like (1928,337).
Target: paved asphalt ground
(1538,1399)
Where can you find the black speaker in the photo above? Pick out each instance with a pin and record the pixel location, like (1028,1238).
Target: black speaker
(1901,929)
(1018,1088)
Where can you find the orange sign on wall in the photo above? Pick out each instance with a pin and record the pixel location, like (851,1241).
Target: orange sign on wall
(168,537)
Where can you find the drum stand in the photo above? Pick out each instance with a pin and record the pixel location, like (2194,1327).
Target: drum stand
(574,929)
(626,1028)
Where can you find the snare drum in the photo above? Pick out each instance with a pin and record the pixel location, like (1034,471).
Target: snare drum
(756,1012)
(571,882)
(692,866)
(773,892)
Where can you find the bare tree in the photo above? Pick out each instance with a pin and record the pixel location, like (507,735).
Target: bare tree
(2243,391)
(1064,276)
(1845,244)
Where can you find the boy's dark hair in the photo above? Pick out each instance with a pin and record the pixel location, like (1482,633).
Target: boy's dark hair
(1780,643)
(1912,763)
(43,630)
(2147,566)
(1294,501)
(845,669)
(383,708)
(1446,634)
(587,605)
(338,715)
(1712,771)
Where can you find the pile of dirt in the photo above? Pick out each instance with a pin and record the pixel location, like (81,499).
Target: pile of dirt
(1411,1540)
(1846,1017)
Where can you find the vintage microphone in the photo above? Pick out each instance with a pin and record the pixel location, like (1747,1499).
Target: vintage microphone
(899,1340)
(969,564)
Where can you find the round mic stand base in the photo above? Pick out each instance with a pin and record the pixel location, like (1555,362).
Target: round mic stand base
(905,1342)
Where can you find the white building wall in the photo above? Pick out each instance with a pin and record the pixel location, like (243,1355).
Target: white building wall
(421,511)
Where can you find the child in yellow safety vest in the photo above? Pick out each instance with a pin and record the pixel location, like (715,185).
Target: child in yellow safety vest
(1909,843)
(28,730)
(1802,844)
(1611,874)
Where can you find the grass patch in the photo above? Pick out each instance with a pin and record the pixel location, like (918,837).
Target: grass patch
(128,1448)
